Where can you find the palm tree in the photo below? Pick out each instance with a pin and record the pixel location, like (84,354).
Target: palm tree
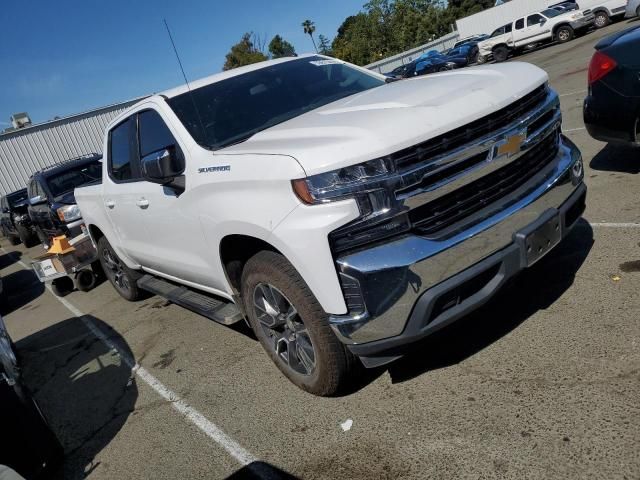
(309,28)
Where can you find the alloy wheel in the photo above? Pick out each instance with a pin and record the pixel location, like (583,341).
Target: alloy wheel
(114,269)
(282,325)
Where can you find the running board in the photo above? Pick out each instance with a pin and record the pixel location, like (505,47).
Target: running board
(217,309)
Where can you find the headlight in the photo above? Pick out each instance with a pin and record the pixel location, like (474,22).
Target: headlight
(20,217)
(576,16)
(69,213)
(341,183)
(371,184)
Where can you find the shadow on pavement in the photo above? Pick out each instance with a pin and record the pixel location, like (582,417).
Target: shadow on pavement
(9,259)
(535,289)
(615,158)
(19,289)
(85,390)
(260,471)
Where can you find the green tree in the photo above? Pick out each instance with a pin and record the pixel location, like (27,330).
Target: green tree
(279,47)
(324,46)
(309,27)
(245,52)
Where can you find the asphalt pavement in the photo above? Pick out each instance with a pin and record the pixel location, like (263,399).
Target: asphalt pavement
(543,382)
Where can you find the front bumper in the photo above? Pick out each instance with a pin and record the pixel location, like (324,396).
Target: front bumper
(583,22)
(399,280)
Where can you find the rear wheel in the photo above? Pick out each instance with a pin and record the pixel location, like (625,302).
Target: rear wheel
(500,53)
(292,326)
(602,19)
(123,279)
(564,34)
(14,240)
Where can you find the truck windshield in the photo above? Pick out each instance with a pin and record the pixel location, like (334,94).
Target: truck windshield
(232,110)
(68,180)
(550,13)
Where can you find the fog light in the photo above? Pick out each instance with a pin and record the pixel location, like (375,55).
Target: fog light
(577,172)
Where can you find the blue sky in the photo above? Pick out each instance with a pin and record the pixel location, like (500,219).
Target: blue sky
(59,57)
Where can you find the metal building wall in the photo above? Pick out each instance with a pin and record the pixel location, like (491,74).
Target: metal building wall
(25,151)
(488,20)
(388,64)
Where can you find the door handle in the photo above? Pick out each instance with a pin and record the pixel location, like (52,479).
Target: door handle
(110,204)
(142,203)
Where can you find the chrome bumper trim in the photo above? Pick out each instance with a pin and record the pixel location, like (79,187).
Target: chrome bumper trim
(392,276)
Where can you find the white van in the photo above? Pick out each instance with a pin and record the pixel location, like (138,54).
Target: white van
(604,10)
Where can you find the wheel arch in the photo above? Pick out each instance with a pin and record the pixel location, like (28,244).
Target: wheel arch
(235,250)
(560,25)
(96,233)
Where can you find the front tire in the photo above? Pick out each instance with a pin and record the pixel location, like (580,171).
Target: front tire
(565,34)
(123,279)
(602,20)
(26,236)
(292,326)
(500,53)
(14,240)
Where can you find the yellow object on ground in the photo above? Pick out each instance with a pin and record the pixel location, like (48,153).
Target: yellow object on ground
(60,245)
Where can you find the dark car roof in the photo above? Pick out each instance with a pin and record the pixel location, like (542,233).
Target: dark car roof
(67,165)
(22,191)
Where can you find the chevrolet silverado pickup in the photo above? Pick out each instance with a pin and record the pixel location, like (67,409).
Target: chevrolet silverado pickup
(341,215)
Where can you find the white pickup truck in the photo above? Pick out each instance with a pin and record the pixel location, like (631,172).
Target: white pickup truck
(341,215)
(545,26)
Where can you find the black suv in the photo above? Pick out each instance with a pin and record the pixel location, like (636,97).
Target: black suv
(14,218)
(52,204)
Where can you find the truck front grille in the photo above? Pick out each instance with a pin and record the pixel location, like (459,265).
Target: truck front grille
(409,157)
(435,216)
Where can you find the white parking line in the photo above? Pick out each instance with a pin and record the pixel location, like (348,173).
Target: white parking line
(574,130)
(572,93)
(615,225)
(210,429)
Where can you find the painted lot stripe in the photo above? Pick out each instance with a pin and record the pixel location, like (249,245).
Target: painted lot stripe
(210,429)
(572,93)
(574,129)
(615,225)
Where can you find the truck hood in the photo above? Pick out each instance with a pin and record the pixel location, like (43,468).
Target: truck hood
(68,198)
(394,116)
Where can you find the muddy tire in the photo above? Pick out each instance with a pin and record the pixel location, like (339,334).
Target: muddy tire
(123,279)
(500,53)
(602,20)
(565,34)
(292,326)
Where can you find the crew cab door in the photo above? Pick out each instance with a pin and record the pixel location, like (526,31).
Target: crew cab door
(176,246)
(537,28)
(121,190)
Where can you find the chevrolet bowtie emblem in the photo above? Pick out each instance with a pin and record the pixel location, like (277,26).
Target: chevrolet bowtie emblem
(511,145)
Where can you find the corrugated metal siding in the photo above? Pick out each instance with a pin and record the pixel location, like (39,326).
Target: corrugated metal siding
(388,64)
(488,20)
(28,150)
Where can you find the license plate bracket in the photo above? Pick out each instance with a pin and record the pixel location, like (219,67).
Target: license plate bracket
(537,239)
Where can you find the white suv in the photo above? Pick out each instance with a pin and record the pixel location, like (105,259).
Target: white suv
(545,26)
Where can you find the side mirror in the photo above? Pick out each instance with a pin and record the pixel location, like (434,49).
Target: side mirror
(37,200)
(163,166)
(543,21)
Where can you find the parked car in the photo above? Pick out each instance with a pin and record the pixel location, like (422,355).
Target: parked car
(14,218)
(343,216)
(52,205)
(27,444)
(473,39)
(436,62)
(403,71)
(612,107)
(545,26)
(565,7)
(463,56)
(605,11)
(632,9)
